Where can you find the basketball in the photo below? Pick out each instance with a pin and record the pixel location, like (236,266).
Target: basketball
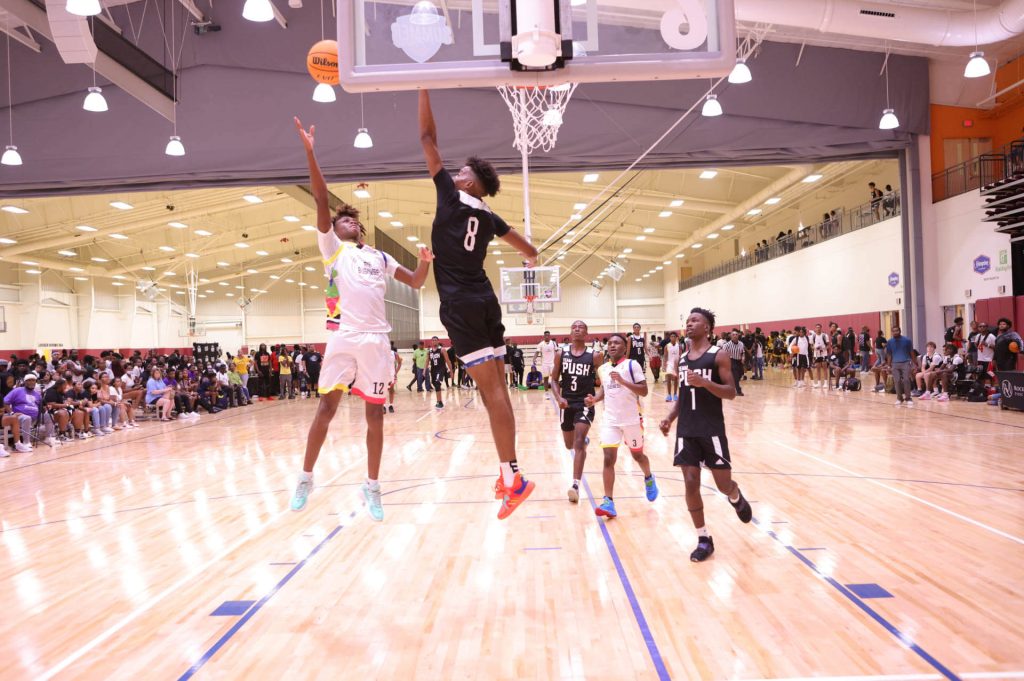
(1014,347)
(322,62)
(794,349)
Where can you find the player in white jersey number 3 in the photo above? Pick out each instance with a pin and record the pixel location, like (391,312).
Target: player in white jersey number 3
(358,356)
(622,385)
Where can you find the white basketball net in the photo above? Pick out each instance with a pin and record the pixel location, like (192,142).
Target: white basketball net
(536,114)
(192,285)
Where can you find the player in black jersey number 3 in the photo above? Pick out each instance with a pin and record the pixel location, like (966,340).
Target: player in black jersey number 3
(463,228)
(573,378)
(705,377)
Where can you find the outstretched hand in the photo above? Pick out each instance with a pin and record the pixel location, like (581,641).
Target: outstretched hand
(308,136)
(426,255)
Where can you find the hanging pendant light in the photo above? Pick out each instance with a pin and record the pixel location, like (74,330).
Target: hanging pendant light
(324,93)
(363,139)
(977,66)
(11,156)
(83,8)
(174,146)
(740,73)
(258,10)
(95,101)
(711,107)
(888,120)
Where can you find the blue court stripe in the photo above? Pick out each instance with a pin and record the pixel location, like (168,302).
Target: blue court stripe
(645,630)
(256,608)
(853,598)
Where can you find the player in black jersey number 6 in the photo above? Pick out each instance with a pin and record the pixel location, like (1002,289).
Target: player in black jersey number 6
(463,228)
(705,379)
(573,379)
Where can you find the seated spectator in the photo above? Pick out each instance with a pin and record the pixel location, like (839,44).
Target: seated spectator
(60,414)
(236,381)
(840,364)
(534,379)
(1007,346)
(159,395)
(109,400)
(125,411)
(882,373)
(23,403)
(951,371)
(208,392)
(101,413)
(931,365)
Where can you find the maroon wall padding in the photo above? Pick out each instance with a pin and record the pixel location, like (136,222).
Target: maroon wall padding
(991,309)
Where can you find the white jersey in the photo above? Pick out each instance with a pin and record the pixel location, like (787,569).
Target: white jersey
(819,343)
(672,358)
(621,406)
(356,282)
(547,352)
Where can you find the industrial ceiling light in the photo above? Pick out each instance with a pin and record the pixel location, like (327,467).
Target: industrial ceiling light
(711,107)
(258,10)
(888,120)
(95,101)
(83,8)
(976,64)
(740,73)
(11,156)
(363,139)
(324,93)
(174,146)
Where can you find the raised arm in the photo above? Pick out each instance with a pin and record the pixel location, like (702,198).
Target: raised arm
(525,248)
(416,278)
(317,184)
(428,135)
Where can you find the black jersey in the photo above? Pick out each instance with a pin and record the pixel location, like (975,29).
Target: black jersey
(576,376)
(700,412)
(436,359)
(637,349)
(463,228)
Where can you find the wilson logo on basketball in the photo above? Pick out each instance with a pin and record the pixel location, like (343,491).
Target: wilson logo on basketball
(325,62)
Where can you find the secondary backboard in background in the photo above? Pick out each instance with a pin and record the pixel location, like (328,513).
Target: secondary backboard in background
(539,286)
(406,45)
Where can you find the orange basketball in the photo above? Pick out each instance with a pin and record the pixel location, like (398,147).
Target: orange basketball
(1014,347)
(322,62)
(794,349)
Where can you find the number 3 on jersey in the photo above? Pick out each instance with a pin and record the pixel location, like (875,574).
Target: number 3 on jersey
(471,227)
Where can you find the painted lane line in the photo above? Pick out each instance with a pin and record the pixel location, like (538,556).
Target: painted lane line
(859,602)
(176,586)
(937,507)
(645,630)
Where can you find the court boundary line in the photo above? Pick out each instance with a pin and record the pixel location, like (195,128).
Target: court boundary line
(924,676)
(178,584)
(938,507)
(871,612)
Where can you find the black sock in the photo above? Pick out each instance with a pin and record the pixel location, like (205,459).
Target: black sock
(515,466)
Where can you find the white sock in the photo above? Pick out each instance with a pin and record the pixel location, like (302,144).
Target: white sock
(305,477)
(372,484)
(507,476)
(703,531)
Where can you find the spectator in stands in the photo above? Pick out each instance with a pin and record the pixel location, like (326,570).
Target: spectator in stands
(100,413)
(534,379)
(972,343)
(880,344)
(876,201)
(898,357)
(240,363)
(125,408)
(314,360)
(951,372)
(23,403)
(1007,346)
(889,201)
(110,401)
(53,402)
(159,395)
(864,348)
(265,367)
(955,333)
(235,380)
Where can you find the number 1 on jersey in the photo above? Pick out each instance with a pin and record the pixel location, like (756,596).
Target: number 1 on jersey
(471,227)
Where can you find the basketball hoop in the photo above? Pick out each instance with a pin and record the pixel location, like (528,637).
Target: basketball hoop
(529,305)
(536,118)
(536,113)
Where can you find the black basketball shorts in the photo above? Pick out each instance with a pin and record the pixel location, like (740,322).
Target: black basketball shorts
(475,328)
(800,361)
(712,452)
(576,414)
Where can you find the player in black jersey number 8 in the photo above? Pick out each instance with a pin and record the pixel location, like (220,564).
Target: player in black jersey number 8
(705,377)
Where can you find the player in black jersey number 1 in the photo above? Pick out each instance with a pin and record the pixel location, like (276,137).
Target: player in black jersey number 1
(573,378)
(705,377)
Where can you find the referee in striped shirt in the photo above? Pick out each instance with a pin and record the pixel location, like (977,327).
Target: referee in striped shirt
(736,351)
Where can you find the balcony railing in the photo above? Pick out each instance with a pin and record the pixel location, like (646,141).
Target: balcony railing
(851,220)
(967,176)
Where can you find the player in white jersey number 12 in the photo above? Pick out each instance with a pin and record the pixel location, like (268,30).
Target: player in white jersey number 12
(358,356)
